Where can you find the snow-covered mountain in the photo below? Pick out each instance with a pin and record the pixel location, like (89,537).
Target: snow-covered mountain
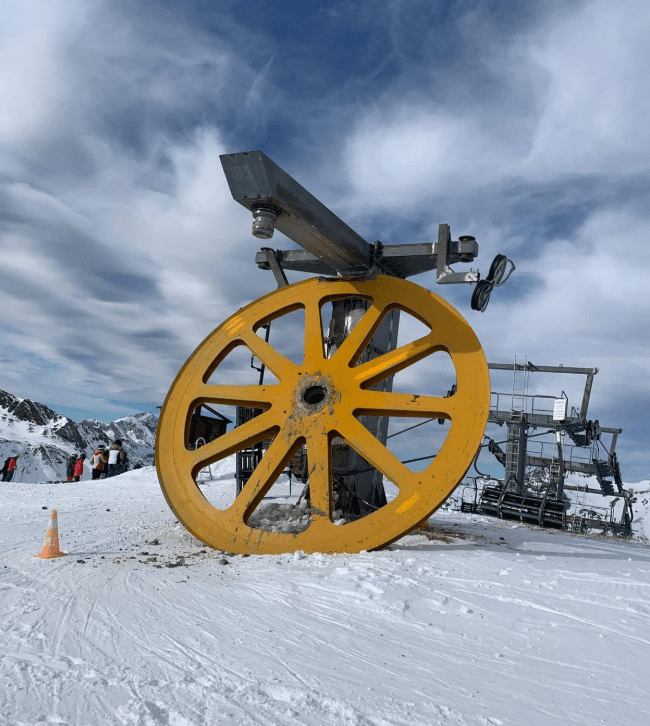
(44,439)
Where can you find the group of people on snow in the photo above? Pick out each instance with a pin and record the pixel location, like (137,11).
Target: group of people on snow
(105,462)
(9,467)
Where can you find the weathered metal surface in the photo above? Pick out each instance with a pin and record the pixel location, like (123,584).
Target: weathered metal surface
(444,273)
(542,369)
(257,181)
(405,260)
(315,403)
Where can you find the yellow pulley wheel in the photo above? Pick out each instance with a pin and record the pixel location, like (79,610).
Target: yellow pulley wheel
(316,402)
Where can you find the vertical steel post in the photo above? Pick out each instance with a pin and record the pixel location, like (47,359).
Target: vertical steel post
(348,467)
(515,468)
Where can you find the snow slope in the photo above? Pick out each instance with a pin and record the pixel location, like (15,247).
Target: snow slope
(478,622)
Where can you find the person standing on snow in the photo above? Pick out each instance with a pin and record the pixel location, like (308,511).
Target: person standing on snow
(5,468)
(98,463)
(78,467)
(124,464)
(116,458)
(70,466)
(11,468)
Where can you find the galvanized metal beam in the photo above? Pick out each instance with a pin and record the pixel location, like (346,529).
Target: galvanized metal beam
(258,183)
(532,419)
(405,260)
(580,467)
(608,430)
(268,260)
(541,369)
(587,394)
(593,491)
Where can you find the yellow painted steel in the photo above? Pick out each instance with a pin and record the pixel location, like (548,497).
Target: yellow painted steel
(292,421)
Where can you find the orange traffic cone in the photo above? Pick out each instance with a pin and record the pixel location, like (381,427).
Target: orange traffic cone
(51,546)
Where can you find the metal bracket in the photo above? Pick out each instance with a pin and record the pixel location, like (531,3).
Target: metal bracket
(378,264)
(272,263)
(444,274)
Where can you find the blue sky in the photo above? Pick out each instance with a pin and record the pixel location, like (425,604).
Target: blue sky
(523,123)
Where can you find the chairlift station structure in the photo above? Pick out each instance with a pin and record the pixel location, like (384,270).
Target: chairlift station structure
(545,441)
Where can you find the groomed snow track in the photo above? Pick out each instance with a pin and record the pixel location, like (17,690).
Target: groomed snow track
(477,622)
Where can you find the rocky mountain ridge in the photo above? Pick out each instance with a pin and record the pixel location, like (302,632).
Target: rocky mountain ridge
(45,439)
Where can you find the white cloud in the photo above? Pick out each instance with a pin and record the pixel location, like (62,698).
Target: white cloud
(574,100)
(594,100)
(33,34)
(117,256)
(402,158)
(559,139)
(587,306)
(185,241)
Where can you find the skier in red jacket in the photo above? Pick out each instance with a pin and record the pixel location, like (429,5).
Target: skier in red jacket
(11,468)
(78,467)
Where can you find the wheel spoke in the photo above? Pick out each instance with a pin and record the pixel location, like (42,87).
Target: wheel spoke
(239,438)
(372,450)
(313,333)
(404,404)
(378,369)
(266,472)
(353,346)
(274,361)
(320,476)
(248,396)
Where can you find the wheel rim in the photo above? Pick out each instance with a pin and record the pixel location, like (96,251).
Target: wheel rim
(315,402)
(497,269)
(481,295)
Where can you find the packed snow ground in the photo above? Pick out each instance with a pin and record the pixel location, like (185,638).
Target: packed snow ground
(476,622)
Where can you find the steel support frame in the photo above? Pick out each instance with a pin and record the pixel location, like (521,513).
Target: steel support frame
(588,372)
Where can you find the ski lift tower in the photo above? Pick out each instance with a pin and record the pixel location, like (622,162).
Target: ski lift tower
(335,405)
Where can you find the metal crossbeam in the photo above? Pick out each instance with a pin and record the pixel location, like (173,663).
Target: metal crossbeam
(257,182)
(405,260)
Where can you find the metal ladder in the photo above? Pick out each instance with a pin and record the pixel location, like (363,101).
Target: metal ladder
(579,506)
(555,468)
(517,410)
(519,388)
